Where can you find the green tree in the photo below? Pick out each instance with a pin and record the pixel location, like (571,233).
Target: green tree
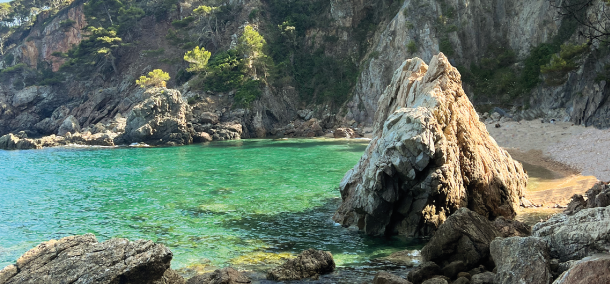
(96,50)
(155,78)
(197,59)
(251,45)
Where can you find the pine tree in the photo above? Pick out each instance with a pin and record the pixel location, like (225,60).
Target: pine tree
(198,59)
(155,78)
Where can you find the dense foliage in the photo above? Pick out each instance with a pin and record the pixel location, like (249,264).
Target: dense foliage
(156,78)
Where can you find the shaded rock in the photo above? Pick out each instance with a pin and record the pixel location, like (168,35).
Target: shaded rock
(70,124)
(389,278)
(598,195)
(577,203)
(590,270)
(429,156)
(226,275)
(511,228)
(461,280)
(465,236)
(436,280)
(407,258)
(158,120)
(425,271)
(451,270)
(574,237)
(310,263)
(521,260)
(170,277)
(483,278)
(464,275)
(201,137)
(81,259)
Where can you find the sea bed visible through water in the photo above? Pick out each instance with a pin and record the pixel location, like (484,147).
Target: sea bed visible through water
(232,203)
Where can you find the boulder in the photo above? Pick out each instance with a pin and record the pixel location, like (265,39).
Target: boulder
(511,228)
(81,259)
(451,270)
(389,278)
(226,275)
(425,271)
(345,132)
(576,204)
(574,237)
(436,280)
(429,156)
(521,260)
(461,280)
(465,236)
(70,124)
(408,258)
(590,270)
(598,195)
(161,119)
(483,278)
(310,263)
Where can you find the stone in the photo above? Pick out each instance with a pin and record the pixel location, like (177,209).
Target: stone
(170,277)
(389,278)
(590,270)
(408,258)
(81,259)
(483,278)
(201,137)
(461,280)
(70,124)
(465,275)
(576,204)
(574,237)
(435,281)
(511,228)
(345,132)
(465,236)
(161,119)
(425,271)
(308,264)
(452,269)
(429,156)
(226,275)
(598,195)
(521,260)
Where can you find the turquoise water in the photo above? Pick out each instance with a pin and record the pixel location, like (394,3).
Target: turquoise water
(209,203)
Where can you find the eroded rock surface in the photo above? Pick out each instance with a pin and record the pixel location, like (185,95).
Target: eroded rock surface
(81,259)
(429,156)
(310,263)
(521,260)
(590,270)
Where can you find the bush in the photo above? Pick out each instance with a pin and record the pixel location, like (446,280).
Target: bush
(412,47)
(179,24)
(155,78)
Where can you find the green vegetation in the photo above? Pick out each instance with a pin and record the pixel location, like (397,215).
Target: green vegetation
(557,69)
(604,75)
(197,59)
(155,78)
(249,92)
(183,23)
(412,47)
(153,52)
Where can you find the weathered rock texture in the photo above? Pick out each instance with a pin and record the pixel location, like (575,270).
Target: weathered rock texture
(574,237)
(521,260)
(310,263)
(597,196)
(429,156)
(465,236)
(590,270)
(389,278)
(81,259)
(226,275)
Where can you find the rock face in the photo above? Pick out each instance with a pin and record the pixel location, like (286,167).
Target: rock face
(226,275)
(81,259)
(159,120)
(429,156)
(465,236)
(574,237)
(590,270)
(521,260)
(310,263)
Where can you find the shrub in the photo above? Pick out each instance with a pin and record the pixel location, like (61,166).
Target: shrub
(247,93)
(155,78)
(412,47)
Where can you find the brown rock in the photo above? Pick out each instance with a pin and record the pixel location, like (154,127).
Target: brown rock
(577,203)
(521,260)
(512,228)
(389,278)
(226,275)
(345,133)
(590,270)
(429,156)
(310,263)
(461,280)
(81,259)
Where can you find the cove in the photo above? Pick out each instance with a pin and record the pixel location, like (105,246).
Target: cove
(215,203)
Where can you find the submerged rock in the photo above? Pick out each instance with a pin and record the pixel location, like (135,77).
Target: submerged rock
(81,259)
(309,264)
(226,275)
(465,236)
(430,156)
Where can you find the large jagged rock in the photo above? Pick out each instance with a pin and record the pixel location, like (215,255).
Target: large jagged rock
(590,270)
(310,263)
(521,260)
(465,236)
(429,156)
(81,259)
(574,237)
(161,119)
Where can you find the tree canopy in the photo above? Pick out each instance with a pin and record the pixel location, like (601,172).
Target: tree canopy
(155,78)
(198,59)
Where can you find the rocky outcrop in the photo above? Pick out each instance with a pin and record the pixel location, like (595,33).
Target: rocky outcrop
(521,260)
(161,119)
(574,237)
(511,228)
(309,264)
(597,196)
(346,132)
(81,259)
(429,156)
(425,271)
(20,141)
(226,275)
(465,236)
(70,124)
(590,270)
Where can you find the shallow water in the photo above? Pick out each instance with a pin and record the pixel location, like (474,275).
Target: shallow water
(210,203)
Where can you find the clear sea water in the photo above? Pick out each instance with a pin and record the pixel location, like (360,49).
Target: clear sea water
(210,203)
